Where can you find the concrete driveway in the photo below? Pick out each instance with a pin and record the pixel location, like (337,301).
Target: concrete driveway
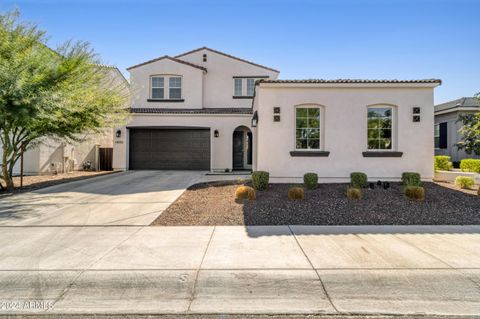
(126,198)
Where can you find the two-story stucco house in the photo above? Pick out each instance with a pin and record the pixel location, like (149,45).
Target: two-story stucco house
(207,110)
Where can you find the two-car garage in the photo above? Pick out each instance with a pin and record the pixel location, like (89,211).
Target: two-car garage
(169,148)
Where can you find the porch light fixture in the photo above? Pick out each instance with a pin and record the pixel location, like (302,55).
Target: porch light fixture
(118,133)
(216,133)
(255,119)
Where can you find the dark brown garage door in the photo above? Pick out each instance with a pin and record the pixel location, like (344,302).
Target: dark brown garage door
(181,149)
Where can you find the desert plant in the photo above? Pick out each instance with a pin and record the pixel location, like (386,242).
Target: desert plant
(464,181)
(296,193)
(470,165)
(415,192)
(245,192)
(442,163)
(354,193)
(260,180)
(411,179)
(310,180)
(358,180)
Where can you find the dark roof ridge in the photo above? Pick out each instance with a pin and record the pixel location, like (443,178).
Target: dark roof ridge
(351,81)
(227,55)
(170,58)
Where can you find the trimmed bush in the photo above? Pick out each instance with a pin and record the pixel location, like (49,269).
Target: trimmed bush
(260,180)
(470,165)
(245,192)
(310,180)
(464,181)
(296,193)
(354,193)
(415,192)
(358,180)
(442,163)
(411,179)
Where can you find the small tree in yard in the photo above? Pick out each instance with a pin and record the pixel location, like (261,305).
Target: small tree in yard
(470,132)
(44,93)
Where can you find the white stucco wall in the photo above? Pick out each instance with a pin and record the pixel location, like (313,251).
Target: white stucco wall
(221,147)
(192,87)
(218,83)
(344,132)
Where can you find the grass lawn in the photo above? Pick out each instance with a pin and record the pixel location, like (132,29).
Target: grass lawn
(215,204)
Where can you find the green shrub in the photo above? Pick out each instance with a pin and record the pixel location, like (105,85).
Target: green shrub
(354,193)
(296,193)
(470,165)
(310,180)
(260,180)
(411,179)
(415,192)
(245,192)
(358,180)
(442,163)
(464,181)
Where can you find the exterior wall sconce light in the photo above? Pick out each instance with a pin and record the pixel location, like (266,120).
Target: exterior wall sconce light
(118,133)
(216,133)
(255,119)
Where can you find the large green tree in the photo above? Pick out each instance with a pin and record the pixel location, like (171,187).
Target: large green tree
(470,132)
(44,93)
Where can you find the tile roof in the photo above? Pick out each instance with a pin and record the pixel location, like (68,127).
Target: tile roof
(227,110)
(227,55)
(461,102)
(351,81)
(170,58)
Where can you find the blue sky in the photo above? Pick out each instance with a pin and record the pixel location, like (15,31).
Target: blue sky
(303,39)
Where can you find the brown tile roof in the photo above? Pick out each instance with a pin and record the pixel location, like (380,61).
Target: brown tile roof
(229,110)
(170,58)
(350,81)
(227,55)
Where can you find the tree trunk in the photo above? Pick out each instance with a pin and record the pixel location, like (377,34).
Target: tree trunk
(7,177)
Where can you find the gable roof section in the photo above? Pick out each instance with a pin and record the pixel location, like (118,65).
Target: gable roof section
(169,58)
(458,103)
(228,56)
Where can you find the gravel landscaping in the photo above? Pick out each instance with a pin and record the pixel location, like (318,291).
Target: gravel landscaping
(215,204)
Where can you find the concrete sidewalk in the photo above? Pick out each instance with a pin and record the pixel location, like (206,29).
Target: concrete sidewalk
(226,270)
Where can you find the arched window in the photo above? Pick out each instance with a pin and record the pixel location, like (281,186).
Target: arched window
(308,127)
(380,125)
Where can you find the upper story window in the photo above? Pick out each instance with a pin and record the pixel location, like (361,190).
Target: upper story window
(238,87)
(160,90)
(175,87)
(307,128)
(244,86)
(158,87)
(380,128)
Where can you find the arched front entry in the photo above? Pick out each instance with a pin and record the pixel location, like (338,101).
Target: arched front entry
(242,148)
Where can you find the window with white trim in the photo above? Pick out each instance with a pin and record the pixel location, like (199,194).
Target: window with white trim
(175,87)
(160,90)
(250,87)
(380,128)
(158,87)
(307,128)
(245,86)
(436,135)
(238,87)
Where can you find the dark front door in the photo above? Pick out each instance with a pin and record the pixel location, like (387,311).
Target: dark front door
(170,149)
(238,149)
(105,161)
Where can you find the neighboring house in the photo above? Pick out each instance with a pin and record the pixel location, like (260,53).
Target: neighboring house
(446,126)
(55,156)
(207,110)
